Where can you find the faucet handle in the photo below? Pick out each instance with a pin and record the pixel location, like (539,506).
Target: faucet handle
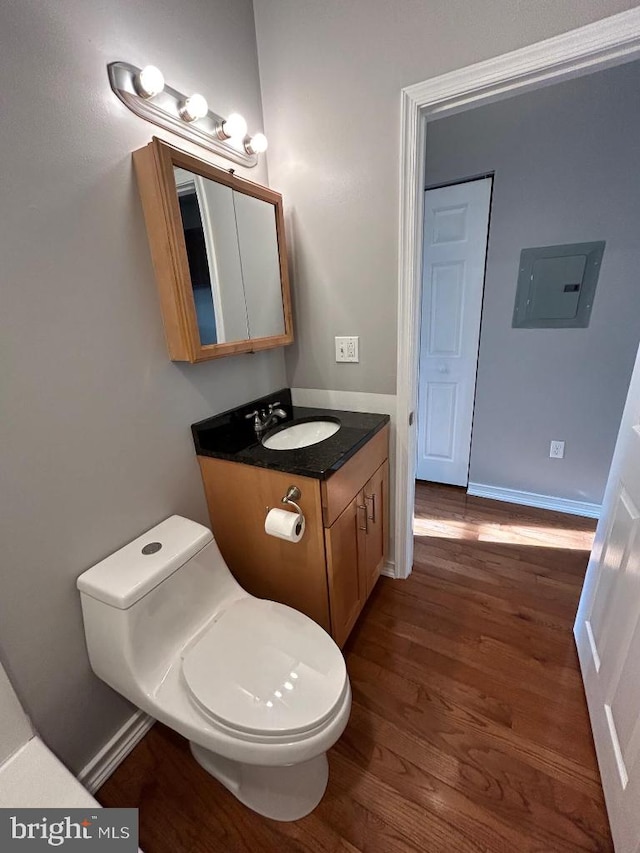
(250,415)
(272,406)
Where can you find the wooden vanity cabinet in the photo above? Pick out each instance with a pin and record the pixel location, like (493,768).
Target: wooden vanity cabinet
(328,574)
(356,546)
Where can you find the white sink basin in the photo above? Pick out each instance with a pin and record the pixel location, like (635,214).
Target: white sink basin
(301,435)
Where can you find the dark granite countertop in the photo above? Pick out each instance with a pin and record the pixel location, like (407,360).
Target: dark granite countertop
(231,436)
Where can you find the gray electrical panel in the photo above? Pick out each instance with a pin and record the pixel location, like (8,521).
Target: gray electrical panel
(556,286)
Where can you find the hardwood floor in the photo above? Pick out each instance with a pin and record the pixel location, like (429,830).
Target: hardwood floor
(469,729)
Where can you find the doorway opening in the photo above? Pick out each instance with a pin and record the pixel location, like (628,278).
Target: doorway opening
(604,44)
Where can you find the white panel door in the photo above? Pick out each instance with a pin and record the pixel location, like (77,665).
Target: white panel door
(456,221)
(607,631)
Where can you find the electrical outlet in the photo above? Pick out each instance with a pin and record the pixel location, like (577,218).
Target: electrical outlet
(347,348)
(556,451)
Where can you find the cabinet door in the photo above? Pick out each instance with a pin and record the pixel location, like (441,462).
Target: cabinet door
(376,502)
(346,542)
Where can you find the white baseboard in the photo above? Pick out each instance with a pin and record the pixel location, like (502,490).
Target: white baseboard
(389,569)
(514,496)
(102,765)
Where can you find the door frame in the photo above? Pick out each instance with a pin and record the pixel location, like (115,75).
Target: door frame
(603,44)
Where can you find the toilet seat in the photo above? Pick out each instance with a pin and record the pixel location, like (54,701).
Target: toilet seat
(264,671)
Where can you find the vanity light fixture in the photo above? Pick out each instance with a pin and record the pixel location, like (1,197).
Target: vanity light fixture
(194,107)
(149,82)
(235,127)
(256,144)
(145,93)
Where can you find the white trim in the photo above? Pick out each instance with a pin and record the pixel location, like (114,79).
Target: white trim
(389,569)
(412,167)
(102,765)
(348,401)
(604,43)
(515,496)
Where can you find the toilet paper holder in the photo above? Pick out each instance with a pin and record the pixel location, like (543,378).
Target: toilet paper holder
(293,494)
(284,524)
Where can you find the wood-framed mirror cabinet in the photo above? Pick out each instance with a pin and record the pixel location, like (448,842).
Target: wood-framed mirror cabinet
(219,254)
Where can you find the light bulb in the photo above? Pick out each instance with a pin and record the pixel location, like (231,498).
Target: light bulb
(257,144)
(149,82)
(234,127)
(194,107)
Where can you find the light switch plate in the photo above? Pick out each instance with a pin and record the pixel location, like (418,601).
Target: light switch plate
(347,348)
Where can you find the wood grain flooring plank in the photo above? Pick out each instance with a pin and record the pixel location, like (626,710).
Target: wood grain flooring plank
(396,759)
(418,622)
(505,787)
(549,724)
(490,657)
(446,598)
(498,569)
(445,729)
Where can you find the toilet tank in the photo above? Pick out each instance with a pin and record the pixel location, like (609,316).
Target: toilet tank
(143,604)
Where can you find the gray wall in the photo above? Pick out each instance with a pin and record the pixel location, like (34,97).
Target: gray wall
(331,77)
(566,162)
(95,441)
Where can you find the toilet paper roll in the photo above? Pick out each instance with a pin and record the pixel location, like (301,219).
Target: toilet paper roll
(284,524)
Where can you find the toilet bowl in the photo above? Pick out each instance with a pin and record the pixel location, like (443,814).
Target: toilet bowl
(260,690)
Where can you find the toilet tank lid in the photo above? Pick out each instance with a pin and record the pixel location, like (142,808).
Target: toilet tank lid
(124,577)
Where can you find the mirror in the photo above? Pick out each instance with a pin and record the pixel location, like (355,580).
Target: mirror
(225,289)
(232,249)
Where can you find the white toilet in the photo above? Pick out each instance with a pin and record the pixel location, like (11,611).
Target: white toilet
(259,689)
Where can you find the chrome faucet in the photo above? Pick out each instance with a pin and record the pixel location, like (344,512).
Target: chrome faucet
(266,418)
